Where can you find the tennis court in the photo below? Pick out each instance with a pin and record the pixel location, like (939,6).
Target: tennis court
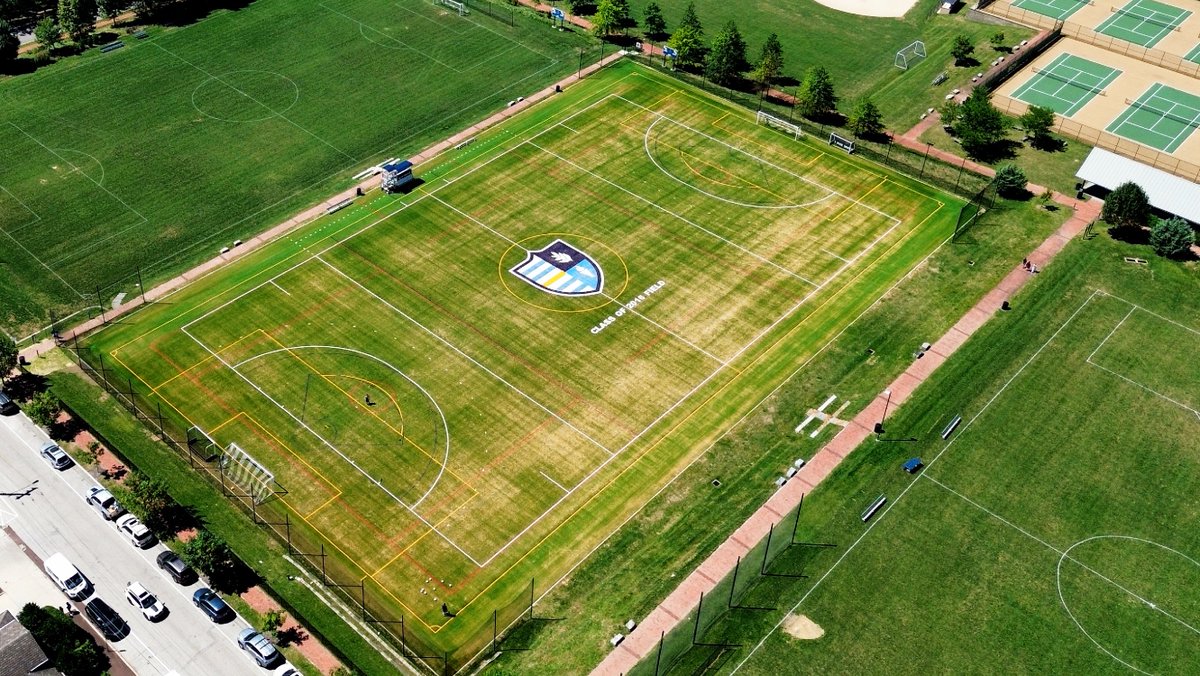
(1194,55)
(1162,118)
(1055,9)
(1143,22)
(1066,84)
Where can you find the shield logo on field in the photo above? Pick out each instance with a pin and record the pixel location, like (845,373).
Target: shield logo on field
(562,270)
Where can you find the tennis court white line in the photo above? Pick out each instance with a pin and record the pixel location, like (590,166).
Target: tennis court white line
(888,510)
(633,311)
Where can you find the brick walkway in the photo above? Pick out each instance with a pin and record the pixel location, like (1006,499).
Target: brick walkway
(157,293)
(643,640)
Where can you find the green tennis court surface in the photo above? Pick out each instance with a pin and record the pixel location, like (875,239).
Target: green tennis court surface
(1143,22)
(1055,9)
(1066,84)
(1194,55)
(1162,118)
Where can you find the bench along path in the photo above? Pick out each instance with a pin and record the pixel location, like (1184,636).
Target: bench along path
(643,641)
(167,288)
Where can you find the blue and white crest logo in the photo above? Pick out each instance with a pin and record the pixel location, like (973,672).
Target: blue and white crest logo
(562,270)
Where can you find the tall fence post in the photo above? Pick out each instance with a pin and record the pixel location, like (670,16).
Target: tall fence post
(699,612)
(796,523)
(733,586)
(531,582)
(762,570)
(662,637)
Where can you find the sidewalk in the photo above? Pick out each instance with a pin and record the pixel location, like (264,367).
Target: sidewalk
(643,641)
(166,288)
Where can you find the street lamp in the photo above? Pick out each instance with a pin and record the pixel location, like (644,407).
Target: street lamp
(887,402)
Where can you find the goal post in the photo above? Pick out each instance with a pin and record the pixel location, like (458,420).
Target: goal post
(201,445)
(767,119)
(242,469)
(910,55)
(458,5)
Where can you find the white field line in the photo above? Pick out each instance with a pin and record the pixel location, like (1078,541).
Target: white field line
(1063,554)
(747,205)
(682,219)
(36,216)
(379,485)
(759,159)
(1110,333)
(887,510)
(737,423)
(827,251)
(402,374)
(547,477)
(34,256)
(633,311)
(401,43)
(276,285)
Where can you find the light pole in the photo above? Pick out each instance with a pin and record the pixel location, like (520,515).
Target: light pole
(887,402)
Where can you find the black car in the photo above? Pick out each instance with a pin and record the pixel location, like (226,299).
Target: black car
(214,606)
(176,568)
(7,406)
(112,625)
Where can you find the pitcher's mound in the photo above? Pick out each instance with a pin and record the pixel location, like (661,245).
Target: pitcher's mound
(799,626)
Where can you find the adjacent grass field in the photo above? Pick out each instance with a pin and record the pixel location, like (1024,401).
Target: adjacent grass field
(157,155)
(1048,534)
(451,430)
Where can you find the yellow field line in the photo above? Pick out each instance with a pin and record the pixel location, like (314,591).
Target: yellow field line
(383,389)
(227,421)
(856,201)
(323,505)
(200,363)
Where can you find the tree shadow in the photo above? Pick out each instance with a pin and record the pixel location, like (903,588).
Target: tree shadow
(185,13)
(293,635)
(1048,144)
(233,577)
(1004,149)
(1130,234)
(25,385)
(785,81)
(969,62)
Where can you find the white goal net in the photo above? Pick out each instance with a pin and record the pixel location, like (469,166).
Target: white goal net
(910,55)
(779,123)
(241,468)
(457,5)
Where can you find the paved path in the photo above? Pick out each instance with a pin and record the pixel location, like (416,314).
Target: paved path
(166,288)
(643,641)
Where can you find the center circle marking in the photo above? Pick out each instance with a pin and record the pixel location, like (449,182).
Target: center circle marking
(266,112)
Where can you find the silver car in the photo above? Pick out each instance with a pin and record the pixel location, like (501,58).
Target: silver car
(258,647)
(56,456)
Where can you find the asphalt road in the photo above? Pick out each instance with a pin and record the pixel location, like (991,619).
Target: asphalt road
(46,509)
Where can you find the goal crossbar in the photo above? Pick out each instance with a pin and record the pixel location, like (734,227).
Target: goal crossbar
(910,54)
(456,5)
(244,470)
(779,123)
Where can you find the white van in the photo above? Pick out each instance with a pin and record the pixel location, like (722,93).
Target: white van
(66,576)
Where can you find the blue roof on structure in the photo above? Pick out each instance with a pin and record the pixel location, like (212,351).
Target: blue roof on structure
(397,166)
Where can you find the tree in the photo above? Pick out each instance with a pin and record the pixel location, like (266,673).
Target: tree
(961,50)
(624,17)
(1172,237)
(606,19)
(1010,180)
(577,6)
(69,647)
(997,41)
(8,356)
(43,408)
(980,126)
(47,33)
(865,118)
(815,98)
(950,112)
(208,554)
(78,19)
(688,38)
(653,21)
(272,621)
(149,500)
(1038,121)
(10,45)
(111,8)
(770,62)
(727,59)
(1127,206)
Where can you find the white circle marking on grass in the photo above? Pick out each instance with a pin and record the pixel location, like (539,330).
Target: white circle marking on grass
(650,154)
(98,181)
(1062,599)
(402,374)
(271,111)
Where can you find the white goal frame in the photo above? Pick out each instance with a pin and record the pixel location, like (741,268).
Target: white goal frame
(910,54)
(242,469)
(779,123)
(455,4)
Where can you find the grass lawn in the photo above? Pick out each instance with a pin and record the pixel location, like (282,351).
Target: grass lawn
(1051,168)
(647,558)
(858,51)
(157,155)
(450,413)
(1045,534)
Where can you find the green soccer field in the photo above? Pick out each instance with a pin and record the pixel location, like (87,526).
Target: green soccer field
(450,424)
(159,154)
(1048,534)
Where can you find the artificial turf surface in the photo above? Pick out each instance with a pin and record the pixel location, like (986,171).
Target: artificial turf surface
(453,431)
(155,156)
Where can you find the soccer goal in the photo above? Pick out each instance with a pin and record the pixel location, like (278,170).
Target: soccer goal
(458,5)
(240,468)
(910,55)
(781,124)
(201,445)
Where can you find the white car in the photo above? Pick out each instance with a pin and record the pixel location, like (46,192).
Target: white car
(139,597)
(104,503)
(135,531)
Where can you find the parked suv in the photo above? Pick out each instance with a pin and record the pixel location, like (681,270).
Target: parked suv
(112,625)
(175,567)
(54,455)
(104,503)
(7,406)
(139,597)
(258,647)
(67,576)
(135,531)
(214,606)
